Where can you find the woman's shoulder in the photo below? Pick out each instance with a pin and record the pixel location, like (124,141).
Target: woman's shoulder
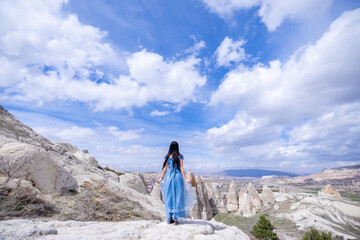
(181,157)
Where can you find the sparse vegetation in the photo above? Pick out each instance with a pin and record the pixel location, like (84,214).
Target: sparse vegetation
(313,234)
(263,229)
(22,201)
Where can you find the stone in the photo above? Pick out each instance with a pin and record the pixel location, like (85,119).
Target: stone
(37,166)
(246,207)
(148,230)
(134,181)
(202,208)
(254,196)
(329,191)
(232,198)
(156,193)
(267,196)
(216,201)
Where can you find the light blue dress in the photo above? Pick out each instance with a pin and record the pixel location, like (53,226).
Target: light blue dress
(178,195)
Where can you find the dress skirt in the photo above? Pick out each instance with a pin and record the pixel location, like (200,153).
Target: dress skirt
(177,194)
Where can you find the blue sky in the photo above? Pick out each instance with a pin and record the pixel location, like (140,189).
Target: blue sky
(238,83)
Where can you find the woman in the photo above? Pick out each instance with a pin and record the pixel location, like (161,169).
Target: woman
(176,189)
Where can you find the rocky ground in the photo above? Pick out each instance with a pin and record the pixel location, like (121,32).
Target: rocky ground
(151,229)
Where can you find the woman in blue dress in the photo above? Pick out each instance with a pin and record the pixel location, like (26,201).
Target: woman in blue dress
(176,189)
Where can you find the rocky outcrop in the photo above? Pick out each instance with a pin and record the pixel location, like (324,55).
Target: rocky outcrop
(216,201)
(329,191)
(267,196)
(34,164)
(156,193)
(187,229)
(246,207)
(134,181)
(232,198)
(202,208)
(254,196)
(61,166)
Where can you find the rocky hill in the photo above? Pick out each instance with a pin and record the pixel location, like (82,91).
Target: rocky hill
(335,173)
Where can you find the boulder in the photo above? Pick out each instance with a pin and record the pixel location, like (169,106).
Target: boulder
(329,191)
(34,164)
(267,196)
(212,198)
(232,198)
(134,181)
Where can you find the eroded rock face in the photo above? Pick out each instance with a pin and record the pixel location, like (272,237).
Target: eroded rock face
(216,201)
(329,191)
(202,209)
(134,181)
(267,196)
(246,207)
(156,193)
(232,198)
(36,165)
(254,196)
(187,229)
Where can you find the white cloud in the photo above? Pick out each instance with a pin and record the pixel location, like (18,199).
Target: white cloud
(229,52)
(306,110)
(159,113)
(55,57)
(226,8)
(125,135)
(70,134)
(272,12)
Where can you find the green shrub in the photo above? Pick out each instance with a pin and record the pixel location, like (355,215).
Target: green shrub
(313,234)
(263,230)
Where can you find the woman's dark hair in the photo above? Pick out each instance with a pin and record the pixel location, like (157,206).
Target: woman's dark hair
(174,150)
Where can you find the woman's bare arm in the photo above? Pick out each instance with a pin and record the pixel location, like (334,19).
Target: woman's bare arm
(163,172)
(182,170)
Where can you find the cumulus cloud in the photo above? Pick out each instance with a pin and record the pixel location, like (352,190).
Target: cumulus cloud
(49,55)
(125,135)
(306,109)
(229,52)
(272,12)
(68,134)
(159,113)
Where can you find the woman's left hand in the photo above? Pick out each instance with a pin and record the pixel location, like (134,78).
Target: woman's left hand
(159,180)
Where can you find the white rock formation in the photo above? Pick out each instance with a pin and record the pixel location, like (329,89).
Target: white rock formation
(329,191)
(232,198)
(203,205)
(134,181)
(325,214)
(64,169)
(151,230)
(267,196)
(216,201)
(156,193)
(36,165)
(254,196)
(246,207)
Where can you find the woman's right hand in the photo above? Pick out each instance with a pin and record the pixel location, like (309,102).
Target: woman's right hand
(188,180)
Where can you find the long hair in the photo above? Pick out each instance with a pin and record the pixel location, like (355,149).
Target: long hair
(174,150)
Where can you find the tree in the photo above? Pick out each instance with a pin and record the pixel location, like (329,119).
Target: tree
(263,230)
(313,234)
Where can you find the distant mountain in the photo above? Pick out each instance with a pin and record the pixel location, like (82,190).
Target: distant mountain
(258,173)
